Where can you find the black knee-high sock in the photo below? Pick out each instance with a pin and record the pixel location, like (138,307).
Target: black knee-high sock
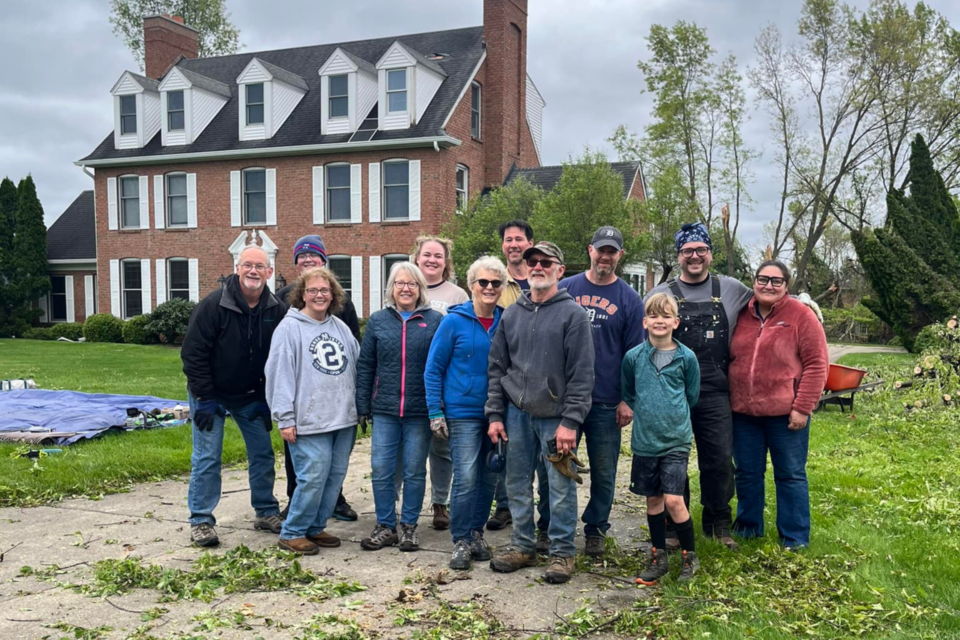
(685,534)
(658,529)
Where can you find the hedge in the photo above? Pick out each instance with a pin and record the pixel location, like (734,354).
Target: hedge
(103,327)
(136,330)
(69,330)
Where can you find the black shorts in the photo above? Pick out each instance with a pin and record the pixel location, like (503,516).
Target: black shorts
(655,476)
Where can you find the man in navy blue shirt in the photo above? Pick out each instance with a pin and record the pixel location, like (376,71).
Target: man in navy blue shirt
(616,314)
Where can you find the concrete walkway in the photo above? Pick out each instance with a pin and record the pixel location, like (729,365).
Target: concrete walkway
(837,351)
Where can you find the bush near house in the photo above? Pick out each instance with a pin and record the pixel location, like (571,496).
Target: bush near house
(69,330)
(136,330)
(103,327)
(169,320)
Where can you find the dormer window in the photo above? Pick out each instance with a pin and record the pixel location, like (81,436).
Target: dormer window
(396,90)
(255,103)
(407,81)
(175,112)
(190,101)
(348,92)
(339,97)
(128,115)
(136,111)
(268,95)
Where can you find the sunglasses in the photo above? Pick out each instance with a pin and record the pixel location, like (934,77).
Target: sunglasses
(546,263)
(771,280)
(486,283)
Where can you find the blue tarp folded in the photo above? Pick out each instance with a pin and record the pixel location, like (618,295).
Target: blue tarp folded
(82,415)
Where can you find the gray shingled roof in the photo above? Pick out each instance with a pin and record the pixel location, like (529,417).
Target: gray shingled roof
(147,83)
(369,67)
(283,75)
(424,60)
(203,82)
(464,46)
(74,234)
(547,177)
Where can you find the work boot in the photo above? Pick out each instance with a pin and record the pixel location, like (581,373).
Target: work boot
(723,535)
(559,570)
(594,547)
(479,549)
(461,558)
(343,511)
(409,538)
(501,519)
(673,542)
(441,517)
(691,564)
(300,546)
(657,568)
(511,559)
(543,542)
(380,537)
(325,540)
(273,524)
(204,535)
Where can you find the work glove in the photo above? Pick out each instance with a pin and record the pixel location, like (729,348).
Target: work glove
(262,412)
(567,463)
(364,423)
(439,428)
(206,410)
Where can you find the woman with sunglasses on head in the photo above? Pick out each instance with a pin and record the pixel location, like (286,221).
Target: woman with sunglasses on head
(456,382)
(778,366)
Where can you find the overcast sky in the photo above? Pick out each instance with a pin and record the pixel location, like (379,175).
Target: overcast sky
(61,61)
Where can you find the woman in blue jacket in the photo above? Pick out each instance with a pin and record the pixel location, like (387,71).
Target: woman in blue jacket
(456,383)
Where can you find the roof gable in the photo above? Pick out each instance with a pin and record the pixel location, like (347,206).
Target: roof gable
(402,55)
(259,70)
(192,79)
(131,82)
(342,56)
(73,236)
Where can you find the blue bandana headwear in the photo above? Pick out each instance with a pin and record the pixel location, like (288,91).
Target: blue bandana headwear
(692,232)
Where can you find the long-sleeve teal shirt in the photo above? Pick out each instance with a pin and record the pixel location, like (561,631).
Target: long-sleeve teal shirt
(661,400)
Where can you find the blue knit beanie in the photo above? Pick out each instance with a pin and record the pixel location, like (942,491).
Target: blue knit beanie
(692,232)
(309,244)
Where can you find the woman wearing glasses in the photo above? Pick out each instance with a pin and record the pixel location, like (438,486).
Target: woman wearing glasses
(456,381)
(390,389)
(778,366)
(311,382)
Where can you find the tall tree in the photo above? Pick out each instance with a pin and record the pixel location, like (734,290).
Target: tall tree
(216,34)
(666,208)
(8,217)
(30,250)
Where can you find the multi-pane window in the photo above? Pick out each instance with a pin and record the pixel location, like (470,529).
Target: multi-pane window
(255,196)
(475,111)
(132,288)
(388,262)
(130,202)
(128,114)
(178,279)
(338,193)
(338,97)
(58,298)
(396,190)
(340,265)
(463,180)
(177,199)
(397,90)
(175,117)
(254,103)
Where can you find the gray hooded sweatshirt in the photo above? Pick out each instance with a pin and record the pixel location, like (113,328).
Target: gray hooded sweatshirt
(312,374)
(541,360)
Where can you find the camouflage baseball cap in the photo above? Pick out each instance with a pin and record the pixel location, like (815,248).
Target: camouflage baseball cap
(547,249)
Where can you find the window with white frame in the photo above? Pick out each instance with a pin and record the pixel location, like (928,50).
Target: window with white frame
(340,265)
(128,115)
(175,113)
(338,192)
(131,288)
(396,190)
(388,262)
(178,279)
(176,199)
(339,107)
(130,202)
(396,90)
(463,182)
(475,110)
(58,298)
(254,106)
(254,196)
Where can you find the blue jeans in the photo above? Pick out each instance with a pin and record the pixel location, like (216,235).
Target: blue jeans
(320,461)
(752,438)
(528,438)
(603,449)
(385,457)
(473,482)
(205,479)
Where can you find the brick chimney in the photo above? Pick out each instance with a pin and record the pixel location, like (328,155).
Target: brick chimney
(165,39)
(505,88)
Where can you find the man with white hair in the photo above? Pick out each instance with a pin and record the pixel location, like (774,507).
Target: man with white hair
(224,353)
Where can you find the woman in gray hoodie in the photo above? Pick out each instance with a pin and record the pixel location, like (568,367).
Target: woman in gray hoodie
(311,383)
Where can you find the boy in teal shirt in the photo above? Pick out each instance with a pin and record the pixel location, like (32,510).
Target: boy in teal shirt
(660,380)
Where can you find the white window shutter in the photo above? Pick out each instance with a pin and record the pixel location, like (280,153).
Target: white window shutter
(356,283)
(414,190)
(115,288)
(68,285)
(376,286)
(191,201)
(374,195)
(112,217)
(356,193)
(88,294)
(43,308)
(234,198)
(144,202)
(161,281)
(271,196)
(318,195)
(194,269)
(158,220)
(145,289)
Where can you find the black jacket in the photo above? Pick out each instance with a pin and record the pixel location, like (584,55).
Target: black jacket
(348,313)
(393,357)
(227,344)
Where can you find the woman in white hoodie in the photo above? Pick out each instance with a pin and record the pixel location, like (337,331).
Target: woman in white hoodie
(311,384)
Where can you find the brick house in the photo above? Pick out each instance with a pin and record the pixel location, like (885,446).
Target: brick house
(367,143)
(72,264)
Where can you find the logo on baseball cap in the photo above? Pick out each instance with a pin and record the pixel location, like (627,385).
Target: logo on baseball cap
(607,237)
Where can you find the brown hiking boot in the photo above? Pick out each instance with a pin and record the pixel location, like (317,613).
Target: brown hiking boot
(723,535)
(594,547)
(299,545)
(441,517)
(559,570)
(511,559)
(325,540)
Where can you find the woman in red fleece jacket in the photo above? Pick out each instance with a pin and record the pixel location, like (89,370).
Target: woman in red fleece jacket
(778,366)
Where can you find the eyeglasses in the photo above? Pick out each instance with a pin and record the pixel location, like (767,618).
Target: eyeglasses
(545,263)
(248,266)
(303,257)
(774,281)
(700,251)
(496,284)
(313,292)
(412,286)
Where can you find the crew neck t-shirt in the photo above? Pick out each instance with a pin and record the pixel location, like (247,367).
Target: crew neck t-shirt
(663,357)
(486,322)
(445,294)
(524,284)
(734,296)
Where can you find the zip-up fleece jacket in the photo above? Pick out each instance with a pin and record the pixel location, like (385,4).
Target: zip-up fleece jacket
(393,357)
(227,344)
(541,360)
(312,374)
(456,376)
(661,400)
(778,364)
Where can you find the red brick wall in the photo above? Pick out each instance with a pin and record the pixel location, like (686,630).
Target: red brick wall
(636,192)
(164,41)
(504,116)
(79,290)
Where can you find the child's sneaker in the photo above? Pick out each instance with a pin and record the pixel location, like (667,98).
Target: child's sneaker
(657,568)
(691,564)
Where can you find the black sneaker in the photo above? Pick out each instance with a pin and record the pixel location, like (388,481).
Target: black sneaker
(501,519)
(461,558)
(204,535)
(594,547)
(657,568)
(691,564)
(479,549)
(409,538)
(343,511)
(380,537)
(543,542)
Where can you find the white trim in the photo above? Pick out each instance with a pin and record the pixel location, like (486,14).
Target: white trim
(191,201)
(75,264)
(249,237)
(356,283)
(89,296)
(463,92)
(146,289)
(413,188)
(271,189)
(193,265)
(68,289)
(356,193)
(144,202)
(235,207)
(376,286)
(113,207)
(318,195)
(373,197)
(466,184)
(115,288)
(161,281)
(158,220)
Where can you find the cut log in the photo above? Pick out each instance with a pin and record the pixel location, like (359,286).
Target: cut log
(947,399)
(918,370)
(953,322)
(929,362)
(918,404)
(902,384)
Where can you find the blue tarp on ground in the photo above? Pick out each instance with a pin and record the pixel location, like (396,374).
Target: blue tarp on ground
(81,415)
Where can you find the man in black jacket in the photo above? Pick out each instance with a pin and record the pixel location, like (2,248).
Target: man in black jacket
(309,252)
(224,353)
